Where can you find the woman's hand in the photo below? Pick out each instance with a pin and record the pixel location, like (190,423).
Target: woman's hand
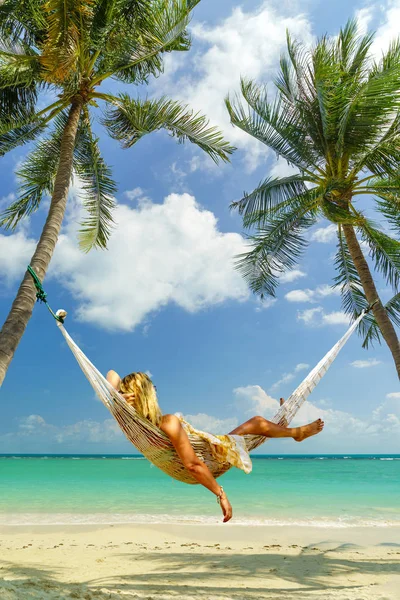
(226,508)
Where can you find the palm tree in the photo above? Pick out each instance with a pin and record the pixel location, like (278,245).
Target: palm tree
(335,117)
(68,49)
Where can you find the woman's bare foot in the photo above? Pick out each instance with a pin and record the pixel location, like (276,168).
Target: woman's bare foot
(306,431)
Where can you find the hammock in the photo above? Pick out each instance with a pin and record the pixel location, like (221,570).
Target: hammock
(155,445)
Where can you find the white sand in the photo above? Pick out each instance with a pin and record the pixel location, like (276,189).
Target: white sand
(169,562)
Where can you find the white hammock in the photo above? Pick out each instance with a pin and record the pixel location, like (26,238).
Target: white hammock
(156,446)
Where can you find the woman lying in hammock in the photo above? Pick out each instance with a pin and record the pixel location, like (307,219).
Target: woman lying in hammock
(139,391)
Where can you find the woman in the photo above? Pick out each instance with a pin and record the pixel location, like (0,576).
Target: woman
(139,391)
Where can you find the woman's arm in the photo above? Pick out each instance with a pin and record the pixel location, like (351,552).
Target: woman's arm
(172,427)
(113,378)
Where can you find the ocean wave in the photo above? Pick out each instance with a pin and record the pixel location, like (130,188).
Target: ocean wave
(31,519)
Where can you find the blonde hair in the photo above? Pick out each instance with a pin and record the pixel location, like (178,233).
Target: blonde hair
(144,396)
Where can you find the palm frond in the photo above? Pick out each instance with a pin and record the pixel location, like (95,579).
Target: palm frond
(12,136)
(372,108)
(385,252)
(270,193)
(277,246)
(98,190)
(19,64)
(66,20)
(286,82)
(17,105)
(132,119)
(272,125)
(373,332)
(389,207)
(383,158)
(353,49)
(348,280)
(36,175)
(337,214)
(19,79)
(133,55)
(21,20)
(387,194)
(104,18)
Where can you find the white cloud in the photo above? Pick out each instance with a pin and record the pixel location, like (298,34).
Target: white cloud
(364,18)
(5,201)
(316,317)
(324,235)
(93,432)
(15,253)
(136,194)
(286,377)
(300,296)
(164,253)
(252,399)
(386,418)
(282,168)
(178,176)
(336,318)
(290,276)
(387,15)
(365,364)
(307,295)
(324,290)
(246,43)
(310,316)
(34,429)
(265,303)
(175,254)
(301,367)
(205,422)
(32,423)
(395,395)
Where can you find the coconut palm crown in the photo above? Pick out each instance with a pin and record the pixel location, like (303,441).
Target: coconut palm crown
(335,118)
(68,49)
(65,50)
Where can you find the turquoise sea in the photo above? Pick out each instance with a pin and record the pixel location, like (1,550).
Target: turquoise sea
(326,491)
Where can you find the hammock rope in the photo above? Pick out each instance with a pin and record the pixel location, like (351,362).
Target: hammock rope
(154,444)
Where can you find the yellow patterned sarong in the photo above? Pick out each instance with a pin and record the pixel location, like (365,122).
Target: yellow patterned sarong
(224,448)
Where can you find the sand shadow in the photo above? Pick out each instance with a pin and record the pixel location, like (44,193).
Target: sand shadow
(183,575)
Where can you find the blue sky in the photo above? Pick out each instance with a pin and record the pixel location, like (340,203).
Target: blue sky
(165,297)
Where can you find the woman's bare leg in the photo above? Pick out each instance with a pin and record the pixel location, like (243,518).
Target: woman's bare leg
(260,426)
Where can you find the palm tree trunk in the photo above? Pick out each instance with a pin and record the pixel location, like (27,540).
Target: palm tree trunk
(21,310)
(384,323)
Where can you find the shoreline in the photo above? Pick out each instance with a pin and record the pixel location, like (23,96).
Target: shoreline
(21,521)
(212,562)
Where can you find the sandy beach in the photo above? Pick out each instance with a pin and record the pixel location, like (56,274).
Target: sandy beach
(166,562)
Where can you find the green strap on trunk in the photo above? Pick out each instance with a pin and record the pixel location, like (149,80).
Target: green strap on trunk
(41,294)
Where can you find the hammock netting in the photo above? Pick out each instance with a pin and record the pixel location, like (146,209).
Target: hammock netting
(156,446)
